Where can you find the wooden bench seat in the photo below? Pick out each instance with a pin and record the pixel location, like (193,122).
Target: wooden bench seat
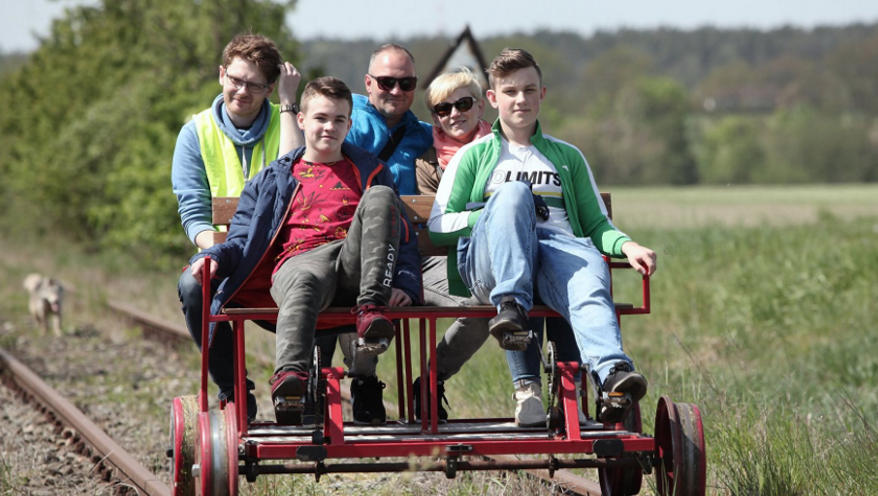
(417,208)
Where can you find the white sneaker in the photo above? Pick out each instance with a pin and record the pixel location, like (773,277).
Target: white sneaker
(529,411)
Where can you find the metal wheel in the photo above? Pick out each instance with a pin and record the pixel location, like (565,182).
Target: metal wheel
(623,481)
(231,431)
(679,449)
(214,471)
(184,417)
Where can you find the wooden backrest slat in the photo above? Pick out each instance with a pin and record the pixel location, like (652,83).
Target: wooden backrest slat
(417,208)
(223,209)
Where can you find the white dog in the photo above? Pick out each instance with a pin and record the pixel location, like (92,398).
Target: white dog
(46,295)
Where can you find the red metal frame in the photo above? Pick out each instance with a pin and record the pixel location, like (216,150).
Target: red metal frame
(428,440)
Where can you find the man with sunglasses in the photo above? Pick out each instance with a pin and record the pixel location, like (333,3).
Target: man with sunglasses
(384,126)
(221,148)
(383,123)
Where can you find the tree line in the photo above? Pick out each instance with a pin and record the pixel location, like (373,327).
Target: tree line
(91,116)
(705,106)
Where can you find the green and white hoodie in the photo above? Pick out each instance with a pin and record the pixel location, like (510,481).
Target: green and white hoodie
(467,175)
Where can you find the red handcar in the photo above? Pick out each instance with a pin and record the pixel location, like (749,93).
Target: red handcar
(211,448)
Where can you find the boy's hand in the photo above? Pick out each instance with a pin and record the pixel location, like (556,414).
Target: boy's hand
(640,257)
(398,298)
(540,207)
(196,269)
(288,83)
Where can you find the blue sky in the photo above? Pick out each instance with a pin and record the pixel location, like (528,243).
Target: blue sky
(382,19)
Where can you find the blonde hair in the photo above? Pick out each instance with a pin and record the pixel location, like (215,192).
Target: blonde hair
(447,83)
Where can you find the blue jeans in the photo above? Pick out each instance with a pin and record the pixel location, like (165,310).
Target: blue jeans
(221,348)
(507,255)
(221,354)
(526,365)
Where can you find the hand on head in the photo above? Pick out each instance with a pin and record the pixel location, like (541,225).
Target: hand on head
(288,83)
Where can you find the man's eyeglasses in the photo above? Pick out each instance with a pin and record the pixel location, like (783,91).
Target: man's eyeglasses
(444,109)
(238,83)
(386,83)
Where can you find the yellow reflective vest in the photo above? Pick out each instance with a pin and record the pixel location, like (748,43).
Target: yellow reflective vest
(223,163)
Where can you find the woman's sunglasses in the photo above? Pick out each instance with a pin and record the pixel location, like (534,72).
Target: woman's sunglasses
(386,83)
(444,109)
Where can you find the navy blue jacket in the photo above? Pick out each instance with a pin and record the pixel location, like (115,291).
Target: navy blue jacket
(261,212)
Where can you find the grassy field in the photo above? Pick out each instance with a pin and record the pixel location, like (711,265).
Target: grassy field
(763,315)
(673,208)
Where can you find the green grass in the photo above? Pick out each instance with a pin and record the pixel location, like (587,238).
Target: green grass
(704,206)
(770,331)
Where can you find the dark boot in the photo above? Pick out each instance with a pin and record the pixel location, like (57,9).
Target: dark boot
(510,326)
(368,401)
(622,388)
(229,396)
(440,390)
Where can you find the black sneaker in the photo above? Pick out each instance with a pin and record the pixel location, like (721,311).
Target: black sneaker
(368,401)
(622,388)
(251,407)
(440,389)
(510,326)
(228,396)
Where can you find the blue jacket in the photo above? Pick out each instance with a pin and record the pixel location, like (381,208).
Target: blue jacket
(369,131)
(260,216)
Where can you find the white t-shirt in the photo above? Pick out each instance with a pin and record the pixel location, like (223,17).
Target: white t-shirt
(518,163)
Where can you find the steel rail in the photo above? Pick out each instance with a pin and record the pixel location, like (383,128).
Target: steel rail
(130,471)
(150,322)
(571,482)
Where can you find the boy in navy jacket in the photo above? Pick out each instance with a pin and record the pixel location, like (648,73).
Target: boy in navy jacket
(321,226)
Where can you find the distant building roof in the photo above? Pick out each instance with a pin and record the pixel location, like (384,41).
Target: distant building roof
(464,52)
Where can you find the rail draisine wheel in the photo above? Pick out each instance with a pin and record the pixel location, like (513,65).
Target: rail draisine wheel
(623,481)
(184,416)
(231,431)
(679,449)
(215,471)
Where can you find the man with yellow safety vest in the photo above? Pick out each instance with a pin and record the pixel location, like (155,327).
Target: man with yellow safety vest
(218,151)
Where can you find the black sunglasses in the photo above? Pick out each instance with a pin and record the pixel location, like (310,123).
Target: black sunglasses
(387,83)
(443,109)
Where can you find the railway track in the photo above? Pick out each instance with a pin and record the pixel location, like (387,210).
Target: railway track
(571,483)
(112,462)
